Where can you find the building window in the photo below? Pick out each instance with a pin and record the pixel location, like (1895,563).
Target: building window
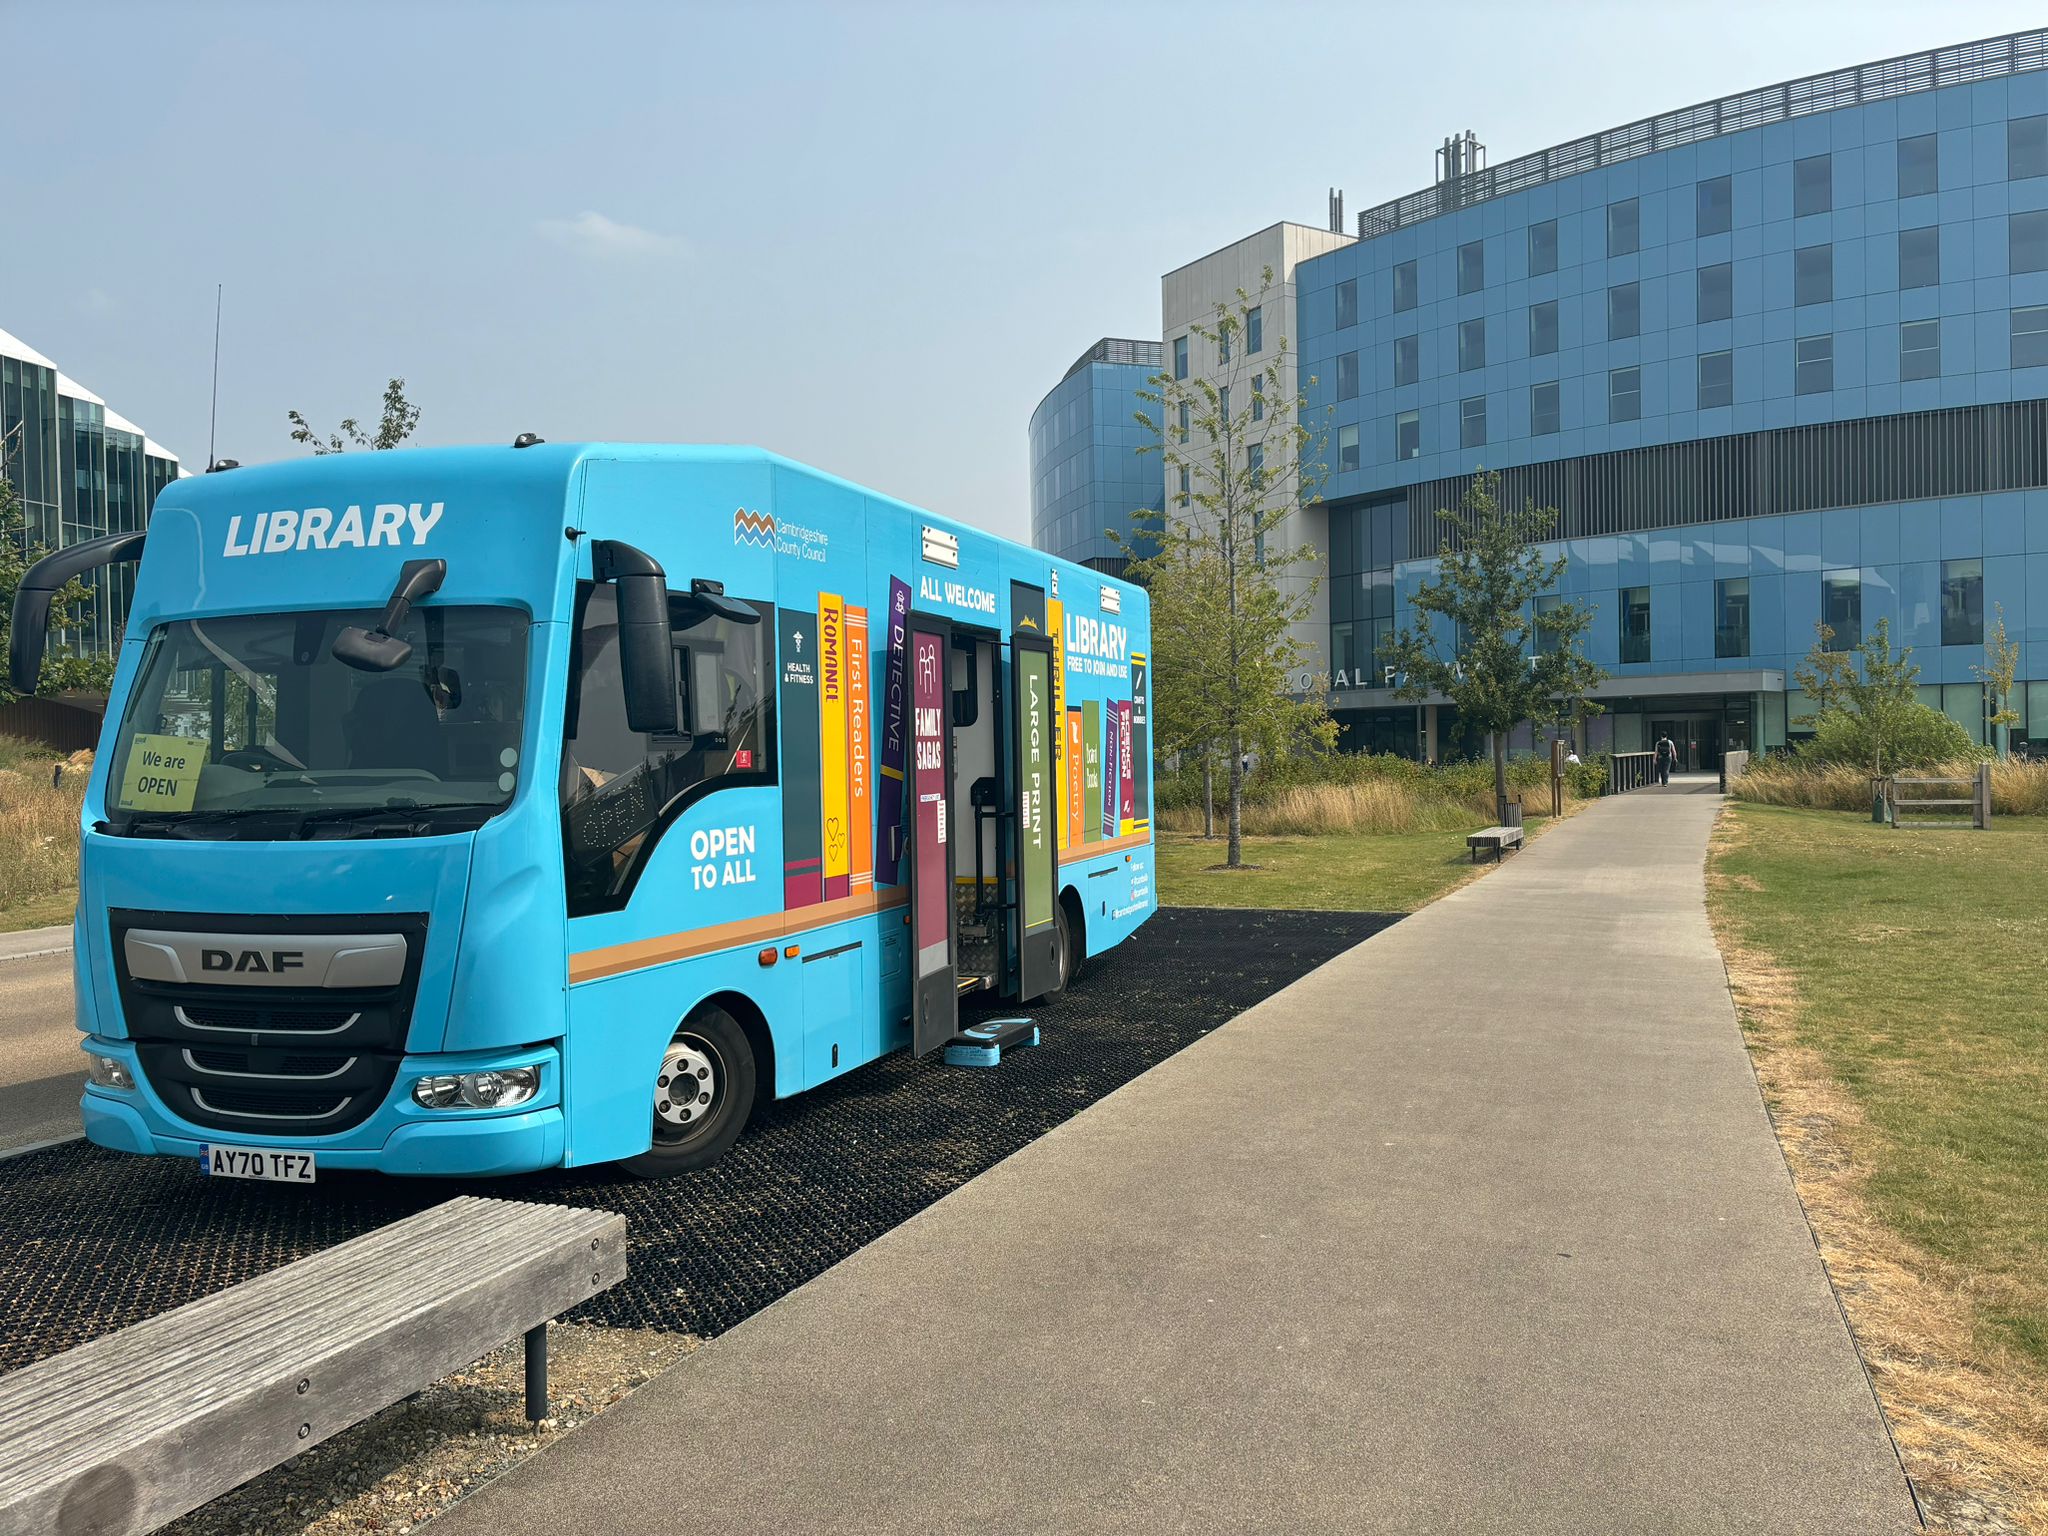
(1258,397)
(1180,357)
(1408,435)
(1223,405)
(1547,641)
(1347,376)
(1254,330)
(1813,274)
(1543,413)
(1962,602)
(1813,185)
(1841,608)
(1716,379)
(1407,359)
(1183,485)
(1717,291)
(2030,336)
(1255,466)
(1543,247)
(1624,311)
(1731,616)
(1625,394)
(1405,286)
(1472,266)
(1543,328)
(1347,303)
(2026,148)
(1624,227)
(1347,449)
(1920,349)
(1223,340)
(1813,365)
(2028,239)
(1635,623)
(1717,206)
(1471,345)
(1919,166)
(1920,257)
(1183,422)
(1472,422)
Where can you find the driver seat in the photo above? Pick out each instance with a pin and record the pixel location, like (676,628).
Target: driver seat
(393,724)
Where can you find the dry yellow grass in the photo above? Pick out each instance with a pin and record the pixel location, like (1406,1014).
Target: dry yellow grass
(2017,788)
(1377,806)
(1972,1431)
(38,838)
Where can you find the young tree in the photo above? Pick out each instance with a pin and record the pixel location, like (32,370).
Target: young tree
(1187,722)
(1997,673)
(1866,701)
(1239,460)
(1481,639)
(72,608)
(400,417)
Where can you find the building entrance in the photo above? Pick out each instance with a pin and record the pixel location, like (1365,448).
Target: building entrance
(1697,736)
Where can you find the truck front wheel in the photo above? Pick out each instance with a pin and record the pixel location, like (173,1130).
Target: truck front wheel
(703,1093)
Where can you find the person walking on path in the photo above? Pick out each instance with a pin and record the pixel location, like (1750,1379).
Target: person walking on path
(1667,756)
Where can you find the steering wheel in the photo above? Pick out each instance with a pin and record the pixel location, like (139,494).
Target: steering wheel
(256,760)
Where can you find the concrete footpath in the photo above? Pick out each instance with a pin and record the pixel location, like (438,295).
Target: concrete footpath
(1480,1227)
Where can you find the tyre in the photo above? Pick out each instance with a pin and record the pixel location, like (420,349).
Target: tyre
(1068,970)
(703,1094)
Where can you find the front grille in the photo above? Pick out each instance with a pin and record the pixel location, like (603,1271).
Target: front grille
(257,1104)
(283,1061)
(268,1017)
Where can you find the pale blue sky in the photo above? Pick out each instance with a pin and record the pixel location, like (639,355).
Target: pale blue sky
(870,237)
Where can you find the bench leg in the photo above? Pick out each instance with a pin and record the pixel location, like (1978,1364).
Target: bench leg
(537,1373)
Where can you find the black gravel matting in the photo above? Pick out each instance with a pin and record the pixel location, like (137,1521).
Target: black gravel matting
(92,1240)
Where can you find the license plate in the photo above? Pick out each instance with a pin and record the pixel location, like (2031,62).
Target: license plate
(257,1163)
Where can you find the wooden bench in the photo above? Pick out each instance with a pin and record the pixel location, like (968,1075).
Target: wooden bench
(129,1431)
(1499,839)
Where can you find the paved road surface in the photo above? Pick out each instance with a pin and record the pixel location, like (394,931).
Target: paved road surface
(1480,1227)
(41,1070)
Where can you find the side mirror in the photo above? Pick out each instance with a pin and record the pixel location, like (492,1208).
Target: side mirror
(647,658)
(30,634)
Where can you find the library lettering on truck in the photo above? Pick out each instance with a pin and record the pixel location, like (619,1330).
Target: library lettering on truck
(475,811)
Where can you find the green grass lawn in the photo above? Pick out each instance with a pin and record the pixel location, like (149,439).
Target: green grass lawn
(1374,872)
(1920,959)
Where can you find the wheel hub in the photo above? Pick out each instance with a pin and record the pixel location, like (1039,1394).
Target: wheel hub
(687,1085)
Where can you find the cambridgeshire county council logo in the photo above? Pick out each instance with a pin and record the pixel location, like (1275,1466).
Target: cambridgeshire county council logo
(753,528)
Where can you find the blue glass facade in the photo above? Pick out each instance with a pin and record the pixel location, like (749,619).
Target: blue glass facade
(1087,474)
(1761,372)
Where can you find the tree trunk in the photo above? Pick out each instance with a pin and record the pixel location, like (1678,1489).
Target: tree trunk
(1499,742)
(1236,857)
(1208,796)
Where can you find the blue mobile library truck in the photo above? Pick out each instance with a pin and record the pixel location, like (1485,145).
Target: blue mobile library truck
(476,811)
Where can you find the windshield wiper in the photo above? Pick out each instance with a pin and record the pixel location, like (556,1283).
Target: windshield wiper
(417,819)
(180,823)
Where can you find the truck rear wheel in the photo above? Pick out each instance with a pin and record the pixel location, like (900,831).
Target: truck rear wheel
(703,1093)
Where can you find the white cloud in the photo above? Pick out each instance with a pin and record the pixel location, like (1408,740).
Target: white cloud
(591,234)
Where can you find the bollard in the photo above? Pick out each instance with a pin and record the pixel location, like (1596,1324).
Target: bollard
(537,1373)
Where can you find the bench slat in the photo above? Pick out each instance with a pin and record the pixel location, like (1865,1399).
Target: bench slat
(450,1285)
(289,1306)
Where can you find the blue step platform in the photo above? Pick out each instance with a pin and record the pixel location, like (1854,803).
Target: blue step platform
(981,1045)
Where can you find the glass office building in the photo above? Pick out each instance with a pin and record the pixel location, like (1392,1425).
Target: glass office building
(80,470)
(1776,359)
(1087,474)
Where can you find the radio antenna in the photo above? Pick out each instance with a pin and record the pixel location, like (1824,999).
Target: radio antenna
(213,416)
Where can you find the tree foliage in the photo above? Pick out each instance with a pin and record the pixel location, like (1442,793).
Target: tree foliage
(1867,706)
(1482,640)
(1998,672)
(71,609)
(400,418)
(1227,590)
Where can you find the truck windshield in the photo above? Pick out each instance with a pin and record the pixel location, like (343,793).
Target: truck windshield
(247,727)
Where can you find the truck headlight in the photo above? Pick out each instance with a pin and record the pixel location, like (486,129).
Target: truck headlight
(108,1072)
(499,1089)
